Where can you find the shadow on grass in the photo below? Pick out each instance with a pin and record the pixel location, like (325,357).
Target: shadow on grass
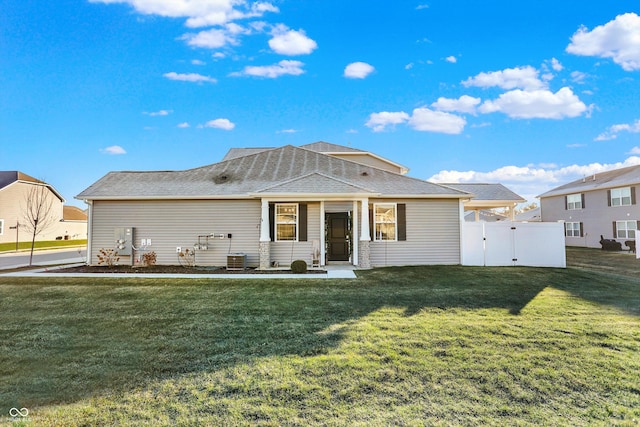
(64,340)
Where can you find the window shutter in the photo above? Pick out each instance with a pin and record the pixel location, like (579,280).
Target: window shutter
(402,221)
(272,220)
(608,197)
(302,222)
(633,195)
(581,230)
(637,225)
(582,199)
(566,203)
(615,231)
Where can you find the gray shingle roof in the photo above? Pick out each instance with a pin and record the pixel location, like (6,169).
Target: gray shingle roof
(273,171)
(482,191)
(234,153)
(603,180)
(327,147)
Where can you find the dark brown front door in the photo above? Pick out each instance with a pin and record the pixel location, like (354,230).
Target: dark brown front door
(338,236)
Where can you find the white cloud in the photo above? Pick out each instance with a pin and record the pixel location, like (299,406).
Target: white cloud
(198,62)
(210,39)
(634,150)
(464,104)
(358,70)
(190,77)
(542,104)
(158,113)
(618,39)
(199,13)
(422,6)
(530,181)
(510,78)
(224,124)
(288,131)
(613,131)
(578,77)
(426,120)
(291,42)
(556,65)
(422,119)
(452,59)
(379,121)
(284,67)
(113,150)
(183,125)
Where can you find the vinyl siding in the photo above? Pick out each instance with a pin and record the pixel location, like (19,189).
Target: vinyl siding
(286,252)
(170,224)
(597,217)
(433,235)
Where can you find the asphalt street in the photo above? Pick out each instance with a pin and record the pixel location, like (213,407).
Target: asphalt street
(10,260)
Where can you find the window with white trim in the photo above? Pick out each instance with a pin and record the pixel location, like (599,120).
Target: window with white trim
(572,229)
(626,229)
(1,227)
(621,196)
(574,201)
(385,222)
(286,222)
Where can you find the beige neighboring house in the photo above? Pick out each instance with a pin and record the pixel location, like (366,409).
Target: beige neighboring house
(603,204)
(68,222)
(271,206)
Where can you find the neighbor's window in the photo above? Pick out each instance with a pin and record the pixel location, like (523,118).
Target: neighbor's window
(621,196)
(572,229)
(386,225)
(286,221)
(574,201)
(626,229)
(1,227)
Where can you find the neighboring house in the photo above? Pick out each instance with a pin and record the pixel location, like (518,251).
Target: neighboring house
(275,205)
(68,222)
(603,204)
(532,215)
(487,197)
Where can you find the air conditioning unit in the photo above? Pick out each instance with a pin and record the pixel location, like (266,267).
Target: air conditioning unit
(237,261)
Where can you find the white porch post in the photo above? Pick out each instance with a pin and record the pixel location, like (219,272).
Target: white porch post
(323,255)
(265,237)
(364,228)
(364,248)
(354,239)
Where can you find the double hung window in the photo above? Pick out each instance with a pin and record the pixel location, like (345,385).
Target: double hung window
(286,222)
(386,223)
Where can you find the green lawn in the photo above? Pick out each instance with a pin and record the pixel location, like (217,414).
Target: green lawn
(398,346)
(5,247)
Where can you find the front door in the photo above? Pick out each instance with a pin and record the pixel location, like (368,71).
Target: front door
(338,236)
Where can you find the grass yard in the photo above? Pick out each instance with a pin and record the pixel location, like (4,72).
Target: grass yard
(398,346)
(9,247)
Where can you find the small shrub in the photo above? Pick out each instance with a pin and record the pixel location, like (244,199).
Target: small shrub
(299,266)
(108,256)
(149,258)
(187,258)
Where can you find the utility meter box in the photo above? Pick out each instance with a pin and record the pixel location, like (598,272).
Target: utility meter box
(123,240)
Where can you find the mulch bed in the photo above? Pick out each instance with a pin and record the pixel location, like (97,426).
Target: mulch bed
(170,269)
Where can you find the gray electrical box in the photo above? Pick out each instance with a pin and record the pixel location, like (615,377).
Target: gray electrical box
(123,241)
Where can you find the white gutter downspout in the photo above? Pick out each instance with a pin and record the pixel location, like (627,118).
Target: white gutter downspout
(322,235)
(462,236)
(89,229)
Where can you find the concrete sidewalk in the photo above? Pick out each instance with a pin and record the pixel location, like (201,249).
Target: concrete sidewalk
(338,272)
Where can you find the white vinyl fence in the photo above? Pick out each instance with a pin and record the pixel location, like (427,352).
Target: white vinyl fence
(538,244)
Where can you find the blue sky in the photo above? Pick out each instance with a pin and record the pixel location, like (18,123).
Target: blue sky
(529,94)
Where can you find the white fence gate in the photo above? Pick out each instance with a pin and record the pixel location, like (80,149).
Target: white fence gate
(538,244)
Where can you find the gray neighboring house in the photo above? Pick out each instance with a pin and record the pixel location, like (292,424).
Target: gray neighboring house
(274,205)
(603,204)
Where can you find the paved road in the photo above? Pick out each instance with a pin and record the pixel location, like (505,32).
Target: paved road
(45,257)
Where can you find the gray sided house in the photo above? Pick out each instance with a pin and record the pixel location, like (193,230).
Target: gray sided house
(603,204)
(321,202)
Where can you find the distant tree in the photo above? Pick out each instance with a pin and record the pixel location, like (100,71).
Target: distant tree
(37,213)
